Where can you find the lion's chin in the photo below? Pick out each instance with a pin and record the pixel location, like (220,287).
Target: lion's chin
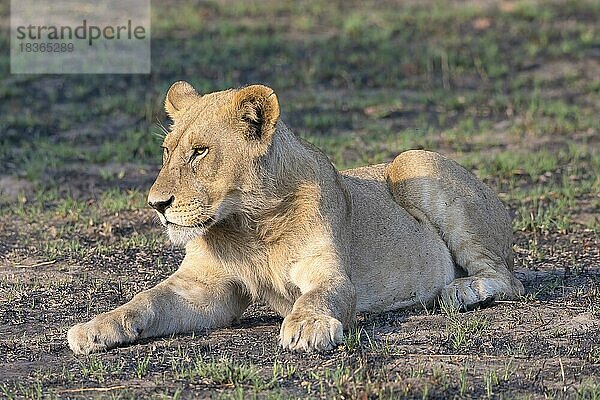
(181,235)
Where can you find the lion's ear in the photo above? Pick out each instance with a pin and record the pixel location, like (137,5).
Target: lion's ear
(179,96)
(258,108)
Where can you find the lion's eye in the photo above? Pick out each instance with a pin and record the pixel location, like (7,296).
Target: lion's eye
(198,153)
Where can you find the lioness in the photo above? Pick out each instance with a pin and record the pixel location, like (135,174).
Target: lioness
(266,217)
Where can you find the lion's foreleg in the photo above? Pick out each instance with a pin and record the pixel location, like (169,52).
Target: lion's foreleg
(182,303)
(319,315)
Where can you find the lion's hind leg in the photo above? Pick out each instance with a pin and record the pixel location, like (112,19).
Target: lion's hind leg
(470,219)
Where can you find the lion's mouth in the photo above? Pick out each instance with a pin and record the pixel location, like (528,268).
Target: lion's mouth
(207,223)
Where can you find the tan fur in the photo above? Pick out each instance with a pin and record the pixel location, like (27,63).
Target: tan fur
(266,217)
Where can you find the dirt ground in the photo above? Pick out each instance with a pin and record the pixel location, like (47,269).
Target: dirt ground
(547,344)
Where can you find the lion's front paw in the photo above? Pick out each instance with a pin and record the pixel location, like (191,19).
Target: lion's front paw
(94,336)
(310,331)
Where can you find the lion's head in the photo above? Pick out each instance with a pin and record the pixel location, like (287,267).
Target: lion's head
(209,155)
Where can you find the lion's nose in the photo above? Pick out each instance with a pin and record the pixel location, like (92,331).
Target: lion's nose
(161,205)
